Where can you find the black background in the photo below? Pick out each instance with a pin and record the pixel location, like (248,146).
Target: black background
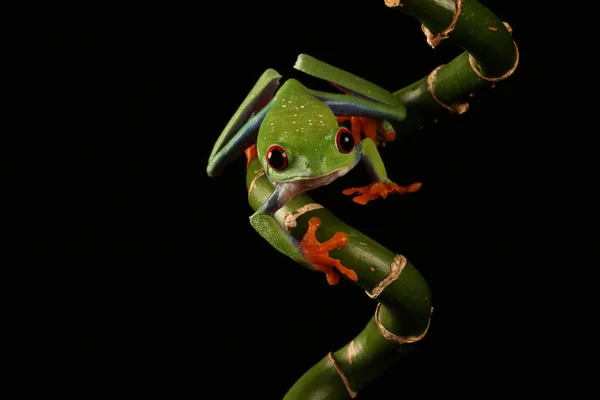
(146,277)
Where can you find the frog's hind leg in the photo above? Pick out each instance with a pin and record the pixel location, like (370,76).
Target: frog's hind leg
(241,130)
(345,81)
(380,130)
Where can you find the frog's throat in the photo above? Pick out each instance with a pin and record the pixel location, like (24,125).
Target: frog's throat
(299,185)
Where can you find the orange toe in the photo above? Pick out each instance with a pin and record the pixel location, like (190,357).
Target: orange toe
(413,187)
(379,189)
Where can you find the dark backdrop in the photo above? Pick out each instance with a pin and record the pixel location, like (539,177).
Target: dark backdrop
(147,277)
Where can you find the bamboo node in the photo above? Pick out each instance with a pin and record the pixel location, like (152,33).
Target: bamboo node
(351,351)
(434,40)
(351,392)
(291,217)
(393,3)
(395,269)
(260,173)
(499,78)
(399,339)
(458,108)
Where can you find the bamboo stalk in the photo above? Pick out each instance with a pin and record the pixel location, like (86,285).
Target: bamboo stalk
(403,311)
(403,295)
(491,56)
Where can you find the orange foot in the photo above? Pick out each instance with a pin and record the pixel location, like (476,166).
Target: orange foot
(379,189)
(317,253)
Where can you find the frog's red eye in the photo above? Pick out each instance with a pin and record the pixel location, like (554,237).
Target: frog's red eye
(277,157)
(344,140)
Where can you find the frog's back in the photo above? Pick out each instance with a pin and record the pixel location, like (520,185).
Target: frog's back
(295,113)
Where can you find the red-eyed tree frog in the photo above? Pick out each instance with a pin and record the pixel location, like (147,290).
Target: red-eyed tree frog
(302,142)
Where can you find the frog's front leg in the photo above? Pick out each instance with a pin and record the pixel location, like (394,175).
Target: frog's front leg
(309,251)
(381,185)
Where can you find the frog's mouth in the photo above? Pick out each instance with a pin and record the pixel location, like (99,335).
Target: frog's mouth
(303,184)
(294,186)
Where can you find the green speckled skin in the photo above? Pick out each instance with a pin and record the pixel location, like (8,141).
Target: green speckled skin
(306,128)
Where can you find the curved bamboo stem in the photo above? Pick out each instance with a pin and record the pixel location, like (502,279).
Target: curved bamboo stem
(402,316)
(404,307)
(491,56)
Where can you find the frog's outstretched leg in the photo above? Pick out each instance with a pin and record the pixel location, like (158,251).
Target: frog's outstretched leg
(364,111)
(309,252)
(381,185)
(350,105)
(355,86)
(347,82)
(241,130)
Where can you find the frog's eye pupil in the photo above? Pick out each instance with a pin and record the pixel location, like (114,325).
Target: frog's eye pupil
(344,140)
(277,157)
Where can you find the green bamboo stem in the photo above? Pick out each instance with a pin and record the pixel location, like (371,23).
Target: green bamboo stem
(491,56)
(405,303)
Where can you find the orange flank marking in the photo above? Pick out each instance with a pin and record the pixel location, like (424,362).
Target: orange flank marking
(317,253)
(250,154)
(369,127)
(342,118)
(340,88)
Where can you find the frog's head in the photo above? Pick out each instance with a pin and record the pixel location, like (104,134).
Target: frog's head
(300,140)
